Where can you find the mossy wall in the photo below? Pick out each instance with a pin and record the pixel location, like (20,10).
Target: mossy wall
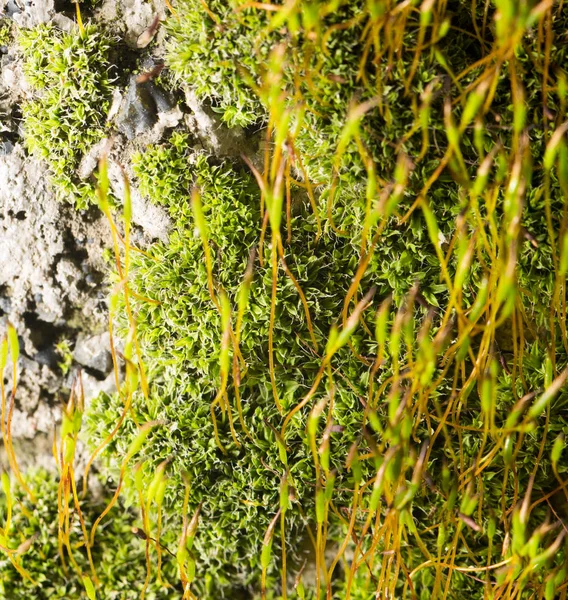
(345,369)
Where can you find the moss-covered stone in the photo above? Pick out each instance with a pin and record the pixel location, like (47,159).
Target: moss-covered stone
(71,76)
(417,164)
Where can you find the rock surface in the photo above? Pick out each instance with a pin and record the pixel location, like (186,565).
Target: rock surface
(151,218)
(130,18)
(52,255)
(51,275)
(213,134)
(27,13)
(93,352)
(146,109)
(52,270)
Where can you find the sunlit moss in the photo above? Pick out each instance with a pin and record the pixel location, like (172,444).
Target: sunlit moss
(412,163)
(71,79)
(119,555)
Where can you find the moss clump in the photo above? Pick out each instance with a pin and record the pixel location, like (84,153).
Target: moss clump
(404,171)
(326,67)
(223,52)
(415,437)
(70,73)
(5,32)
(237,488)
(210,49)
(119,556)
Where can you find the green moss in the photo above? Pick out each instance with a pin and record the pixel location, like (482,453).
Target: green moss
(119,556)
(70,75)
(239,490)
(435,430)
(210,54)
(434,406)
(223,52)
(65,354)
(5,33)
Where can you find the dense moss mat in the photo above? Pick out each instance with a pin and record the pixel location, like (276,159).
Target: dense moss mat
(119,555)
(70,76)
(378,393)
(420,111)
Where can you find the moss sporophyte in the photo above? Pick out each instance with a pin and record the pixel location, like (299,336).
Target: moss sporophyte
(344,371)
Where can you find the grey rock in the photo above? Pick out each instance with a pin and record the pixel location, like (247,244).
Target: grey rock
(36,382)
(12,8)
(48,357)
(6,147)
(64,23)
(167,120)
(37,262)
(143,103)
(94,352)
(67,275)
(210,130)
(51,256)
(115,105)
(146,37)
(92,386)
(29,13)
(153,219)
(5,304)
(13,84)
(42,290)
(90,161)
(131,16)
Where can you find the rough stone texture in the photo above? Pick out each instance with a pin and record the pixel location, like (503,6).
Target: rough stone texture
(49,249)
(137,16)
(93,352)
(143,104)
(27,13)
(152,219)
(216,137)
(51,283)
(130,18)
(13,87)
